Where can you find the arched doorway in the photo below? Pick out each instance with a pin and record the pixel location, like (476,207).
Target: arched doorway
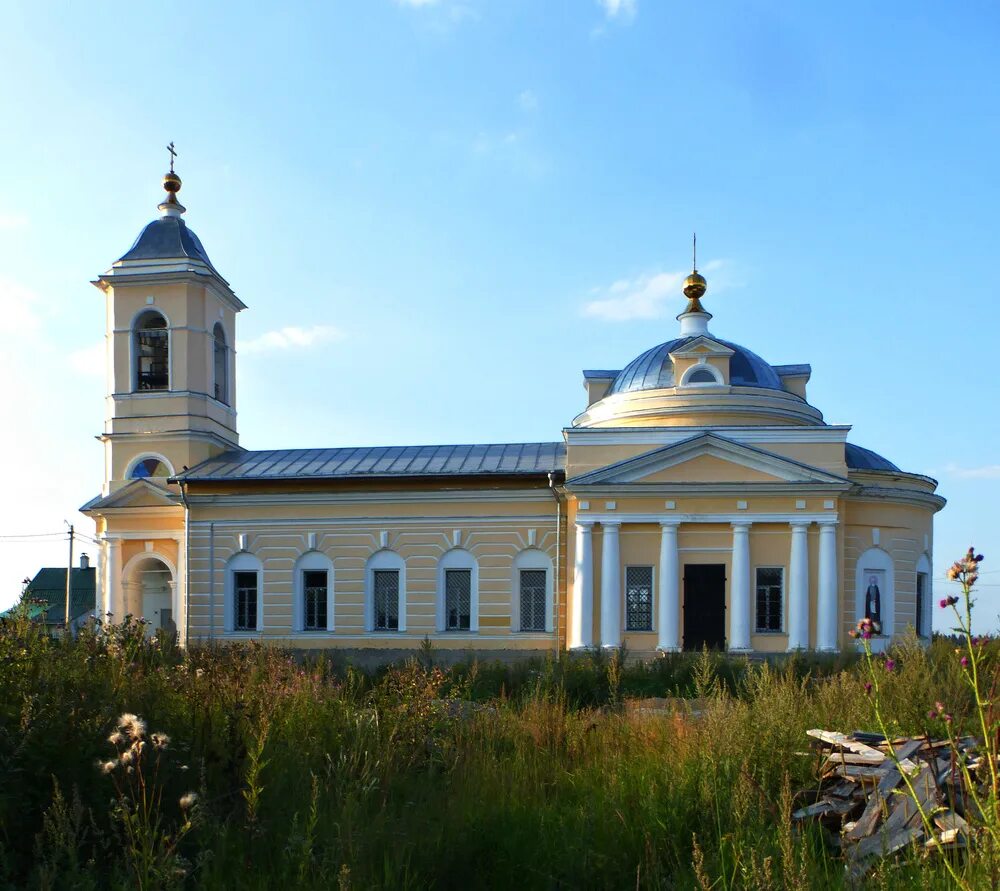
(149,593)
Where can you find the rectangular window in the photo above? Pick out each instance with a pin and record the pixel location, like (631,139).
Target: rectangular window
(152,355)
(385,590)
(921,595)
(245,601)
(638,598)
(457,599)
(770,594)
(532,585)
(314,588)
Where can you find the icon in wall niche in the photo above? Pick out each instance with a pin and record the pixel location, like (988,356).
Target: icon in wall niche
(873,599)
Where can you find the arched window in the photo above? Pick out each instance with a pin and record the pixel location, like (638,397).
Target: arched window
(149,466)
(385,592)
(458,592)
(152,352)
(701,374)
(244,593)
(220,357)
(531,592)
(313,609)
(875,589)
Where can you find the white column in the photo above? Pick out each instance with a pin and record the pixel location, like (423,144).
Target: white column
(582,629)
(669,601)
(114,594)
(739,586)
(826,617)
(798,589)
(611,586)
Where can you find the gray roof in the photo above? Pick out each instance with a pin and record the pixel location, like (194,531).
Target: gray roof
(783,370)
(521,458)
(865,459)
(167,238)
(599,374)
(654,369)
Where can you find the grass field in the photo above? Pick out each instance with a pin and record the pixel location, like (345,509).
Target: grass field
(482,776)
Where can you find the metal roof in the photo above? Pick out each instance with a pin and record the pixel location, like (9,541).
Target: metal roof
(654,369)
(167,238)
(520,458)
(865,459)
(48,591)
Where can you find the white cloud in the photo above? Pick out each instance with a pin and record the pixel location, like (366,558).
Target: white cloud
(291,337)
(621,10)
(528,100)
(643,297)
(985,472)
(11,221)
(89,361)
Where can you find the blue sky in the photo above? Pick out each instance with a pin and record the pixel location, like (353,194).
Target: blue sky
(440,212)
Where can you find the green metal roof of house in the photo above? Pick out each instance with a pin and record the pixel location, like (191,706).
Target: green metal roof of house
(48,589)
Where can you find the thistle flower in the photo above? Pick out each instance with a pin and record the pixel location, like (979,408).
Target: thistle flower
(868,687)
(939,706)
(116,738)
(133,725)
(890,664)
(931,715)
(107,766)
(127,756)
(964,662)
(188,801)
(160,740)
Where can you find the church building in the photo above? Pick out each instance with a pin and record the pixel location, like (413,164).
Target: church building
(697,499)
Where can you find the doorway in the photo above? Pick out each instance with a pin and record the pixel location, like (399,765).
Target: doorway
(704,606)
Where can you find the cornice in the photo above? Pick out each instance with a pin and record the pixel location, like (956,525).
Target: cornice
(668,435)
(389,497)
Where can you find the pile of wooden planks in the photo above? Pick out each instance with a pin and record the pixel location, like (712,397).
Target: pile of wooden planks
(868,799)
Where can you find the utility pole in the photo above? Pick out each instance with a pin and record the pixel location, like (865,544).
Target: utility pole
(69,577)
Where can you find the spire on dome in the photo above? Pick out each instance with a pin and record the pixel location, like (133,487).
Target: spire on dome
(694,319)
(171,207)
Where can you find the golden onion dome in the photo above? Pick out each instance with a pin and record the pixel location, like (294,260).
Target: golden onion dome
(695,285)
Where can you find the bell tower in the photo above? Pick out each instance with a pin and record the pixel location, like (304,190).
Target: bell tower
(170,337)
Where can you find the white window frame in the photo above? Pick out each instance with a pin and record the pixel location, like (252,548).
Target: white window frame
(133,355)
(784,598)
(244,561)
(391,560)
(312,561)
(531,558)
(652,594)
(143,457)
(458,558)
(702,365)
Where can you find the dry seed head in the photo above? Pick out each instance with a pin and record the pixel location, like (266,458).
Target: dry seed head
(160,740)
(188,800)
(133,725)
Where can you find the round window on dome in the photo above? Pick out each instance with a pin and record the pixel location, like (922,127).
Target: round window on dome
(148,467)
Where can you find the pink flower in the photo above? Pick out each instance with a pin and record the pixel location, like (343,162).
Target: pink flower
(889,664)
(868,687)
(964,662)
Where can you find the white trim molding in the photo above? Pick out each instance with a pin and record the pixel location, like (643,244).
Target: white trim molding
(312,561)
(391,560)
(531,558)
(242,561)
(457,558)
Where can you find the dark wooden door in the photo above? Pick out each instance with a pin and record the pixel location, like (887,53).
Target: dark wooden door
(704,606)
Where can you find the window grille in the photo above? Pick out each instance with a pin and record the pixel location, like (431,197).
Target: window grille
(245,601)
(152,353)
(533,584)
(385,589)
(770,593)
(458,599)
(314,587)
(639,598)
(221,362)
(921,594)
(701,376)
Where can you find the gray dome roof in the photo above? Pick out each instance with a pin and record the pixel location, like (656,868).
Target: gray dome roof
(167,238)
(865,459)
(653,370)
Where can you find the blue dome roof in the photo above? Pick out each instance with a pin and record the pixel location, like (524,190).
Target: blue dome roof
(865,459)
(167,238)
(654,370)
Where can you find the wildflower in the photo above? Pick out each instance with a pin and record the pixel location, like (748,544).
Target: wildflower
(160,740)
(133,725)
(868,687)
(198,672)
(188,801)
(964,662)
(116,738)
(107,766)
(951,600)
(947,719)
(939,706)
(931,715)
(852,633)
(128,756)
(890,664)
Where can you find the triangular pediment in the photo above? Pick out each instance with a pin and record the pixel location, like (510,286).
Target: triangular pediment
(702,346)
(706,458)
(137,494)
